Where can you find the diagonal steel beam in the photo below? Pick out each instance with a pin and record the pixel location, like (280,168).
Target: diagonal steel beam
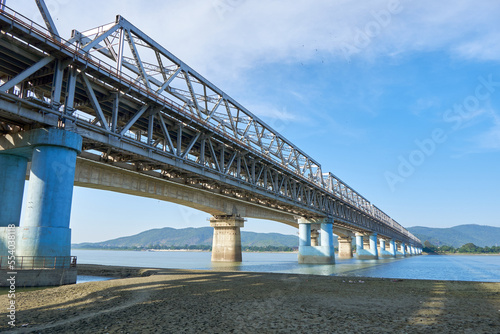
(234,126)
(160,64)
(214,156)
(166,133)
(26,73)
(230,162)
(134,119)
(190,146)
(48,19)
(138,61)
(168,80)
(100,38)
(214,109)
(193,95)
(94,101)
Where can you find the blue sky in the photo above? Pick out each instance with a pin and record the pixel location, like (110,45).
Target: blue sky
(400,99)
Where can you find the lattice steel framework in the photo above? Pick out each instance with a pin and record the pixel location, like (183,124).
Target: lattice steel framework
(135,102)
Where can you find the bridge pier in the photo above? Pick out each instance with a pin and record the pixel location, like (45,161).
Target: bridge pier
(345,247)
(402,251)
(226,244)
(319,254)
(12,177)
(392,248)
(370,253)
(44,237)
(383,253)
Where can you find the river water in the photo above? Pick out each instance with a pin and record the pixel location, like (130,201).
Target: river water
(484,268)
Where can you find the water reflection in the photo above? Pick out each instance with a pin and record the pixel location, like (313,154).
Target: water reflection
(435,267)
(88,278)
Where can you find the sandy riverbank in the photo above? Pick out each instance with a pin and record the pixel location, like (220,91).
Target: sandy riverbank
(189,301)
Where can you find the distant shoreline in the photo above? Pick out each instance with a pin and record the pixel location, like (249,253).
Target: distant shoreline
(176,250)
(466,254)
(291,252)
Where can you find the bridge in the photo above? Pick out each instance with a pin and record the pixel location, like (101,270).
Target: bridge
(112,109)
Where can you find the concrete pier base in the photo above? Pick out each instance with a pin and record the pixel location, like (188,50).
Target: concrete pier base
(226,244)
(40,277)
(392,248)
(402,250)
(345,247)
(324,253)
(361,252)
(383,253)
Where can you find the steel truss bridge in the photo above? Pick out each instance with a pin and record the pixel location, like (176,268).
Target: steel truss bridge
(135,103)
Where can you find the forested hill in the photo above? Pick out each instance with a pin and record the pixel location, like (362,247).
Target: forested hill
(479,235)
(166,237)
(457,236)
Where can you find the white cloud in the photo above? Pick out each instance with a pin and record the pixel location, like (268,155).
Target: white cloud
(246,33)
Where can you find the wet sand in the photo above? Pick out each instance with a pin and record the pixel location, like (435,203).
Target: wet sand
(196,301)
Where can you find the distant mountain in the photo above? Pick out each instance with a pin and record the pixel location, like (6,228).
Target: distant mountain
(191,236)
(457,236)
(479,235)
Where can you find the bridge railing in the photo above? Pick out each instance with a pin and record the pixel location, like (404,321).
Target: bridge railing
(13,263)
(328,181)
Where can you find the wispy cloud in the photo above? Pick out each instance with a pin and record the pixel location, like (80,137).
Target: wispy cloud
(482,136)
(490,139)
(423,105)
(254,32)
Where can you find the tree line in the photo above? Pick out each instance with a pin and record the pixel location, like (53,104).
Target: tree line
(464,249)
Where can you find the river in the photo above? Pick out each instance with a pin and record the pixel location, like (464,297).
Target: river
(483,268)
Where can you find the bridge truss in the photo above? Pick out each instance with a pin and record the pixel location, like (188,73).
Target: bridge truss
(134,102)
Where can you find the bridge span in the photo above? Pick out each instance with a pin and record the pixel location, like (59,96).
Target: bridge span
(112,109)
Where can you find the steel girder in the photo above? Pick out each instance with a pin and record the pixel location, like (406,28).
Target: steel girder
(134,101)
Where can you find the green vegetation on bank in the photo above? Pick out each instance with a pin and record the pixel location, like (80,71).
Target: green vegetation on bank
(468,248)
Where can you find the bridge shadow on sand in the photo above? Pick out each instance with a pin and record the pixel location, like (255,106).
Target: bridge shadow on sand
(189,301)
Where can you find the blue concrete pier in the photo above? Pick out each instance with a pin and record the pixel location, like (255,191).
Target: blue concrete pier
(366,254)
(393,247)
(383,253)
(45,230)
(12,176)
(319,254)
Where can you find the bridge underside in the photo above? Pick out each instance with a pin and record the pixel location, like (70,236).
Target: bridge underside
(91,174)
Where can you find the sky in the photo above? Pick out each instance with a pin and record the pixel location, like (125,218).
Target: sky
(400,99)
